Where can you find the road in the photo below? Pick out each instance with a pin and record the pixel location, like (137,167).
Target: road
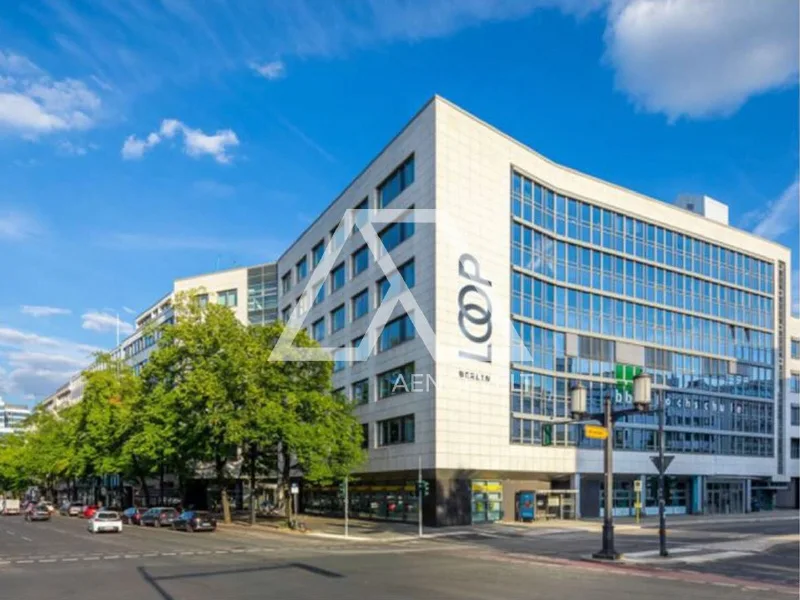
(61,560)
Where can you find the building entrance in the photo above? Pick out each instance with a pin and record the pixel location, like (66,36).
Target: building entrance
(724,498)
(487,501)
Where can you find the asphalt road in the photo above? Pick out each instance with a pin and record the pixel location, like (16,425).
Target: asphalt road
(61,560)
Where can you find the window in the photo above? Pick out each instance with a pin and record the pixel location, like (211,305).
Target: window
(796,348)
(396,332)
(319,293)
(361,392)
(365,436)
(405,273)
(397,233)
(339,359)
(362,213)
(337,277)
(396,431)
(794,383)
(202,300)
(337,319)
(286,313)
(317,252)
(286,282)
(394,184)
(360,260)
(396,381)
(794,451)
(794,411)
(301,268)
(318,329)
(360,304)
(337,236)
(360,353)
(228,298)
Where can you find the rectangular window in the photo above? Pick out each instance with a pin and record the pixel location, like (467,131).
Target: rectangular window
(286,313)
(339,362)
(317,252)
(399,430)
(360,260)
(360,353)
(796,348)
(360,304)
(395,332)
(794,411)
(364,436)
(794,383)
(405,274)
(318,329)
(396,381)
(394,184)
(337,277)
(361,392)
(362,213)
(319,293)
(286,282)
(794,451)
(301,269)
(337,236)
(397,233)
(228,298)
(202,300)
(337,319)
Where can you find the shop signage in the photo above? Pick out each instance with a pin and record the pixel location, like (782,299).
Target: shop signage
(474,310)
(595,432)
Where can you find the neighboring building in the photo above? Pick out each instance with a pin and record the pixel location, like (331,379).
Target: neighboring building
(12,416)
(790,498)
(534,277)
(251,292)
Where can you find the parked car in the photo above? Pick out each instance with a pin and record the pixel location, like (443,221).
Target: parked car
(158,517)
(131,516)
(75,509)
(37,513)
(195,520)
(10,506)
(105,520)
(88,511)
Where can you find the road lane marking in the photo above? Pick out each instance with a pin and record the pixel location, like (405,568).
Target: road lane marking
(27,539)
(9,532)
(48,560)
(69,560)
(91,558)
(5,562)
(220,552)
(131,556)
(112,557)
(24,562)
(163,554)
(187,553)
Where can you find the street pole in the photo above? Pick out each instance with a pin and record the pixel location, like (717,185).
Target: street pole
(608,552)
(346,508)
(662,517)
(419,493)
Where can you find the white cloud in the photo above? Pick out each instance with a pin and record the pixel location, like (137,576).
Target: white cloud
(272,70)
(104,322)
(195,142)
(67,148)
(701,58)
(16,337)
(43,311)
(15,226)
(778,217)
(33,103)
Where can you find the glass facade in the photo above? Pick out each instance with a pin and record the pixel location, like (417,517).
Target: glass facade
(703,312)
(262,294)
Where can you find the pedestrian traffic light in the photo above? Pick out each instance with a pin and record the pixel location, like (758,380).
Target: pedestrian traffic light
(423,488)
(342,487)
(547,434)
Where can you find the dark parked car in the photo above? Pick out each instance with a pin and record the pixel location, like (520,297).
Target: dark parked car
(37,513)
(195,520)
(158,517)
(131,516)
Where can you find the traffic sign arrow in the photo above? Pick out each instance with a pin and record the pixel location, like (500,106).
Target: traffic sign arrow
(662,468)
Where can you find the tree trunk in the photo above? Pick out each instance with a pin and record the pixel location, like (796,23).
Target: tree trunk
(253,455)
(161,483)
(223,491)
(286,469)
(145,490)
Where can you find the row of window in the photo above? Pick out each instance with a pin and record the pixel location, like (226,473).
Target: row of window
(395,332)
(391,236)
(591,312)
(605,272)
(543,348)
(621,233)
(795,345)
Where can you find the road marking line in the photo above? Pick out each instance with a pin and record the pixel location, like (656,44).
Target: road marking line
(723,584)
(203,552)
(69,560)
(112,557)
(5,562)
(48,560)
(27,539)
(24,562)
(9,532)
(163,554)
(238,550)
(187,553)
(91,558)
(151,554)
(220,552)
(131,556)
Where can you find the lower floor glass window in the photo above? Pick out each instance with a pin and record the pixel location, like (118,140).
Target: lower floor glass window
(399,430)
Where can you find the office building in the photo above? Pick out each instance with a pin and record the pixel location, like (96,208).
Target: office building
(12,416)
(534,277)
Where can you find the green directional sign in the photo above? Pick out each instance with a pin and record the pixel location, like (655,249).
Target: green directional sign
(625,375)
(547,434)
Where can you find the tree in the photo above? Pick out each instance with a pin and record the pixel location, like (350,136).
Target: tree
(311,431)
(13,474)
(48,450)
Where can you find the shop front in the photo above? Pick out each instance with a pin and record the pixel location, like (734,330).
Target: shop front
(487,501)
(388,502)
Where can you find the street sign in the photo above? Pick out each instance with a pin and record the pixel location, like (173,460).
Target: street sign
(295,489)
(668,458)
(637,485)
(624,375)
(595,432)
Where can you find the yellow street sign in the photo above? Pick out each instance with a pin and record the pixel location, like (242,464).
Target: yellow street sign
(595,432)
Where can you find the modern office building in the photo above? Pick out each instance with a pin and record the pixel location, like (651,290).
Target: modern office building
(251,292)
(12,416)
(527,278)
(790,497)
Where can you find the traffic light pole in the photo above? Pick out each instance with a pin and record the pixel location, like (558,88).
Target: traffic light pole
(608,552)
(419,493)
(662,517)
(346,507)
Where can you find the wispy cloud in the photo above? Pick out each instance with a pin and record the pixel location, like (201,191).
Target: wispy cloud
(33,103)
(306,139)
(128,310)
(105,322)
(271,70)
(67,148)
(43,311)
(16,226)
(195,142)
(778,217)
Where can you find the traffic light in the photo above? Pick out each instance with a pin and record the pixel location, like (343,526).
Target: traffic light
(547,434)
(423,488)
(342,486)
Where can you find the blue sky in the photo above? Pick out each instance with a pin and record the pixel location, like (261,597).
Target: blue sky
(144,140)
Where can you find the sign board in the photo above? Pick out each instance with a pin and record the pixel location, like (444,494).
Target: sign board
(295,489)
(668,458)
(624,375)
(595,432)
(637,485)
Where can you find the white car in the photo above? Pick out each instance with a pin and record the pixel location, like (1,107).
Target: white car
(105,520)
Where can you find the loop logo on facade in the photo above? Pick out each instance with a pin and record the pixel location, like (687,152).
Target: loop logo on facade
(474,309)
